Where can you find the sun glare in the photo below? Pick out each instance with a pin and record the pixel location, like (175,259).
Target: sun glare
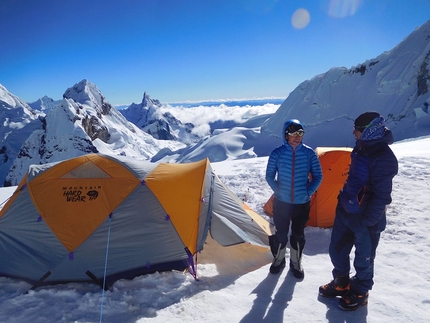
(343,8)
(300,19)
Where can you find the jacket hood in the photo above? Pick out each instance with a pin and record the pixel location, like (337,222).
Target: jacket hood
(286,125)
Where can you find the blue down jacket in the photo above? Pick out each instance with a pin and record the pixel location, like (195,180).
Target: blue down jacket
(288,170)
(367,190)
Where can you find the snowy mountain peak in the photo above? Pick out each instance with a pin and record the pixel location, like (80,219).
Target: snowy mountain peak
(18,121)
(86,92)
(10,101)
(83,122)
(149,117)
(396,84)
(44,104)
(148,102)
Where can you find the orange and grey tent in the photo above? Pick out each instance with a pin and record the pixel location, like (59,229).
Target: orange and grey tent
(102,218)
(335,166)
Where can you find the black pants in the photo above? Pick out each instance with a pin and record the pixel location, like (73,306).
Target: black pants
(298,215)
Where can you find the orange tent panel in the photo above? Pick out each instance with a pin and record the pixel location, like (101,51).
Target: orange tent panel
(76,197)
(180,185)
(335,167)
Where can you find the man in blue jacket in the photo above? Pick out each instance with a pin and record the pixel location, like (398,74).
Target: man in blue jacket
(294,174)
(360,213)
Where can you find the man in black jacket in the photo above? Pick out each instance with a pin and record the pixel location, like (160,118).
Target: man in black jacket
(360,213)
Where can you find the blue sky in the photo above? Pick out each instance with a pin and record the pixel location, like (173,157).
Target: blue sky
(191,50)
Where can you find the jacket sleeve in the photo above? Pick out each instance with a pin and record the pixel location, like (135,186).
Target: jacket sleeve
(316,172)
(383,168)
(271,171)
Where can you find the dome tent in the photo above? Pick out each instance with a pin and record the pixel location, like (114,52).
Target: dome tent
(102,218)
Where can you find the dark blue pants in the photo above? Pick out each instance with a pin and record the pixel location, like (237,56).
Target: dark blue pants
(298,215)
(348,232)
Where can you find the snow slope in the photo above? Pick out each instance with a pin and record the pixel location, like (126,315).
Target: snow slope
(234,282)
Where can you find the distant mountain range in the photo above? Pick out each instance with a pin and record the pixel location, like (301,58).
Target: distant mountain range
(82,122)
(396,84)
(163,126)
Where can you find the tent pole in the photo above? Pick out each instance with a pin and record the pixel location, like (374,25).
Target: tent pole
(40,281)
(94,278)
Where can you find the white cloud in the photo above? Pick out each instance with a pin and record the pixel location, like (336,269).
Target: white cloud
(203,115)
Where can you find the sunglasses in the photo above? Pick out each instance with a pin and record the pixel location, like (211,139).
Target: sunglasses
(299,133)
(361,129)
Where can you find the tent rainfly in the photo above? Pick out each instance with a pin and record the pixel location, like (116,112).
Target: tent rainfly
(102,218)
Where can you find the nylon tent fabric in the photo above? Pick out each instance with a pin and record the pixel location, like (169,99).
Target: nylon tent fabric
(59,190)
(227,228)
(177,184)
(64,217)
(335,167)
(335,163)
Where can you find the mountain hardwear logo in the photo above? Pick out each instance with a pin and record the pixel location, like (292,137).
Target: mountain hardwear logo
(78,194)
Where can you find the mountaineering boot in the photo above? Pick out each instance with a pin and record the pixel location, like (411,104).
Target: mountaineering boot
(278,262)
(352,300)
(337,287)
(296,263)
(274,244)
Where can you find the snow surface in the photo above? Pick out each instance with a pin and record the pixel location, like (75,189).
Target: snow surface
(234,282)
